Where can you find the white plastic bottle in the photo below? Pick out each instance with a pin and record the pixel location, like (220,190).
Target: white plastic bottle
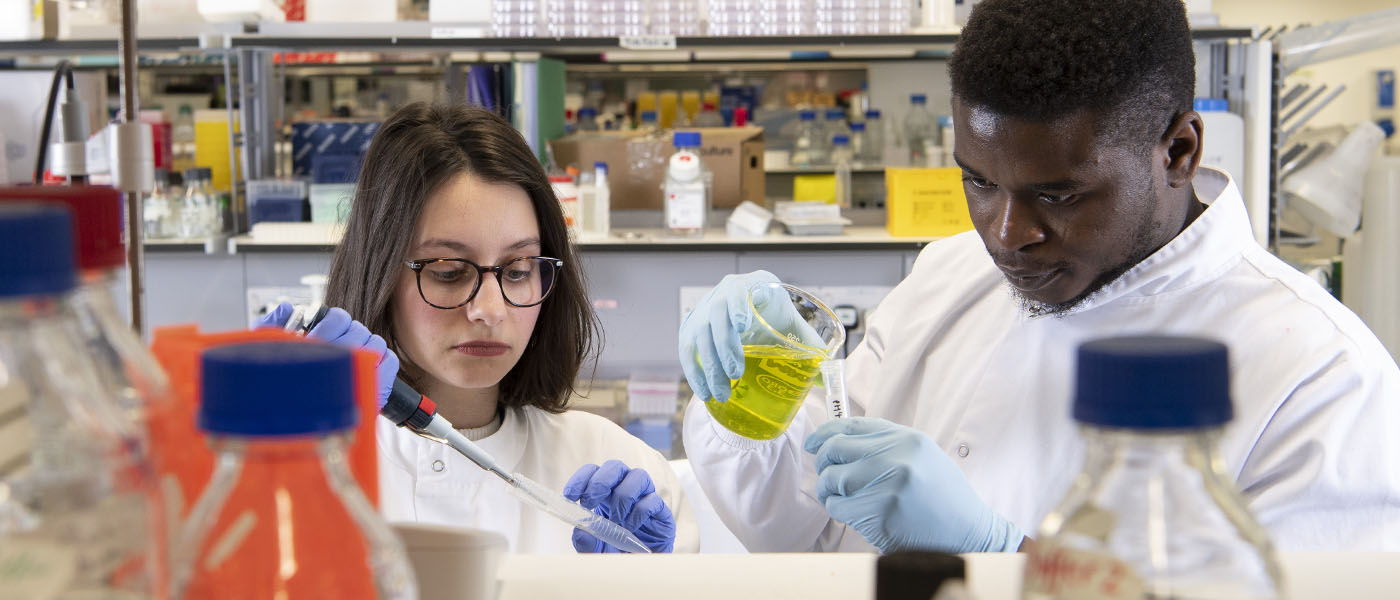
(920,132)
(858,142)
(841,157)
(1153,514)
(601,219)
(587,196)
(687,188)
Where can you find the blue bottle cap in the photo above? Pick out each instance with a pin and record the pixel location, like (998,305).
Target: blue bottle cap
(1211,105)
(686,139)
(601,166)
(277,389)
(1153,382)
(872,114)
(833,114)
(840,140)
(858,126)
(36,250)
(587,111)
(648,115)
(807,115)
(918,98)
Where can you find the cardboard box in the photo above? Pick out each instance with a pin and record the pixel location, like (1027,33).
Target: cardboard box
(925,202)
(637,164)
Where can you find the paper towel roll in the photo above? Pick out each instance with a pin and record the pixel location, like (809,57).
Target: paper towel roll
(1372,278)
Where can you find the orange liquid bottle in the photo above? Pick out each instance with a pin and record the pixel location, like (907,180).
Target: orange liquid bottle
(282,517)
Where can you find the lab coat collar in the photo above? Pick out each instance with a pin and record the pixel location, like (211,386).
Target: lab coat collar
(1206,248)
(508,444)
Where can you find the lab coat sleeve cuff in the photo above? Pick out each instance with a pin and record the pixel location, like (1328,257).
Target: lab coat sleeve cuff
(734,440)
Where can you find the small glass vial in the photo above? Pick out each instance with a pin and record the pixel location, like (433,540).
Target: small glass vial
(1152,515)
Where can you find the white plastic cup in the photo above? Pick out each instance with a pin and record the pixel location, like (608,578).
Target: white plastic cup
(453,563)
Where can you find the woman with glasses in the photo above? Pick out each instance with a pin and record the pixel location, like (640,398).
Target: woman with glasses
(456,265)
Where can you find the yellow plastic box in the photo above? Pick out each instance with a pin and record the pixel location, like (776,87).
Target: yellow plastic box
(925,202)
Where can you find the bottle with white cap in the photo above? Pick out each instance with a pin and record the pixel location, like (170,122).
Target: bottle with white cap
(686,193)
(1152,514)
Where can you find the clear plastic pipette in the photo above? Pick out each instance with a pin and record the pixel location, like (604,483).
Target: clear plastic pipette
(534,494)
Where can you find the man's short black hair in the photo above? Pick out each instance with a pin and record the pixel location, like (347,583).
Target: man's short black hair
(1131,61)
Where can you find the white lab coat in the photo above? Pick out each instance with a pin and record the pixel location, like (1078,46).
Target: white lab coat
(427,482)
(1314,445)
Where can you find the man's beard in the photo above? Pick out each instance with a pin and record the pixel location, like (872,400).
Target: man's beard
(1143,247)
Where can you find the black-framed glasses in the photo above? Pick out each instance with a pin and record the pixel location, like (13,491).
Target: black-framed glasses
(449,283)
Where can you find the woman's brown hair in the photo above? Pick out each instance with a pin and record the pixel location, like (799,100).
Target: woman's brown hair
(419,148)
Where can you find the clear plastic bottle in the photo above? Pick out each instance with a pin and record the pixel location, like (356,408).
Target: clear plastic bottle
(841,158)
(687,188)
(158,211)
(588,119)
(279,417)
(129,375)
(709,116)
(874,138)
(834,124)
(648,123)
(73,523)
(858,141)
(600,221)
(920,132)
(810,146)
(1152,515)
(199,215)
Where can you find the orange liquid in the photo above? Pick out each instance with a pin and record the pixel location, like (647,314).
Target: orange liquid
(282,533)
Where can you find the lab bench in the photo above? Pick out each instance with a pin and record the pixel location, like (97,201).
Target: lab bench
(640,280)
(851,576)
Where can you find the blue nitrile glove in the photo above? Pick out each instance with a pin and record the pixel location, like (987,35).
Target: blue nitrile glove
(277,317)
(711,331)
(895,486)
(338,328)
(626,497)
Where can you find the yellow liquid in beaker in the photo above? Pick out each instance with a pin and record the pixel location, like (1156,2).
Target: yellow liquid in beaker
(764,400)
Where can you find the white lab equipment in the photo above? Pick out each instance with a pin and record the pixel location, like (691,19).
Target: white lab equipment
(1223,143)
(452,563)
(858,142)
(834,124)
(199,213)
(161,211)
(1337,39)
(246,11)
(748,220)
(686,193)
(1328,191)
(567,191)
(1370,281)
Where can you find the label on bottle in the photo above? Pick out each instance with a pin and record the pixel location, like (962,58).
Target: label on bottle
(35,569)
(685,205)
(1054,571)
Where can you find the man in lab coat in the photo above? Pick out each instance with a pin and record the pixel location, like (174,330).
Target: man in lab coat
(1080,156)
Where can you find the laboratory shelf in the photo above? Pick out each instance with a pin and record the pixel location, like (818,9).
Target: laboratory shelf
(855,168)
(311,237)
(422,35)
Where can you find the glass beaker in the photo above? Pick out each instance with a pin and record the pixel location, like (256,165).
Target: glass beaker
(790,335)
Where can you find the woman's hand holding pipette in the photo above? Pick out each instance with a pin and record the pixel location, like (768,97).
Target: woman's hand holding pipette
(624,496)
(338,328)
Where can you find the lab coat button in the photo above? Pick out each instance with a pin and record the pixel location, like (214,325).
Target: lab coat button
(438,466)
(963,450)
